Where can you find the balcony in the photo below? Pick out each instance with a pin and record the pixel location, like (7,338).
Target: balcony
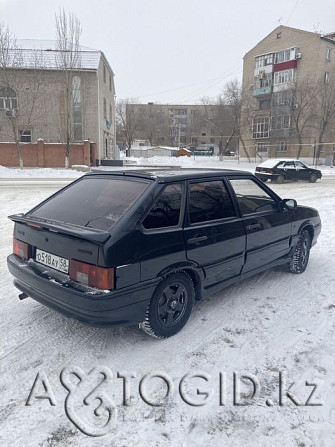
(261,91)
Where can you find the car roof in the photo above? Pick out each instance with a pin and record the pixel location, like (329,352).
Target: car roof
(165,175)
(271,162)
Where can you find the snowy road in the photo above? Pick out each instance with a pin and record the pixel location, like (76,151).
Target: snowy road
(272,325)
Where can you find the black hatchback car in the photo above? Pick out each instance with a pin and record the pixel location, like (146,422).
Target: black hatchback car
(279,170)
(135,247)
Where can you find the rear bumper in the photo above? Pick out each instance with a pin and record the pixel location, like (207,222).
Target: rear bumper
(265,176)
(123,307)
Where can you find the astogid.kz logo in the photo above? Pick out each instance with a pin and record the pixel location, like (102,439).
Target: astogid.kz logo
(89,406)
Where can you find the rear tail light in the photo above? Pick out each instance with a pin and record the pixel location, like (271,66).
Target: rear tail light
(257,170)
(269,171)
(20,248)
(92,275)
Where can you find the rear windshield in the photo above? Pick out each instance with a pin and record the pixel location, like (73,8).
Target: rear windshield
(270,163)
(96,202)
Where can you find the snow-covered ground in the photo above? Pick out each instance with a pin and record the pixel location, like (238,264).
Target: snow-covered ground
(274,323)
(38,173)
(185,162)
(209,162)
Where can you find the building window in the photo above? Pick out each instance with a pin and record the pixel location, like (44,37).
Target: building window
(110,82)
(77,109)
(328,54)
(105,108)
(25,136)
(264,60)
(263,105)
(262,147)
(282,122)
(110,113)
(284,76)
(105,73)
(281,147)
(326,77)
(8,100)
(282,99)
(261,128)
(285,55)
(212,140)
(178,112)
(263,80)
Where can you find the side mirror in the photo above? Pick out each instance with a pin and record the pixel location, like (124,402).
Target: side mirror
(290,203)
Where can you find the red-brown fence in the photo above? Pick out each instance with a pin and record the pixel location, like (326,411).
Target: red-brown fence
(47,155)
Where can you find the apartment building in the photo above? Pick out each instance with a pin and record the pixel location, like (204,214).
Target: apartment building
(288,88)
(35,97)
(207,125)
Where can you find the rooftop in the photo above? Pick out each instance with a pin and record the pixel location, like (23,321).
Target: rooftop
(44,54)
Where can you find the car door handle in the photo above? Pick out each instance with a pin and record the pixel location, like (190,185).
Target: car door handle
(196,239)
(254,226)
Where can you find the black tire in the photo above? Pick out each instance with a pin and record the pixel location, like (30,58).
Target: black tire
(313,178)
(170,306)
(300,256)
(280,179)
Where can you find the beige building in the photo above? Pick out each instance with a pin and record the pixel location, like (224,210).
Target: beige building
(35,97)
(288,87)
(183,125)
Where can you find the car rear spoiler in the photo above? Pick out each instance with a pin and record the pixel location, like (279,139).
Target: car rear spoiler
(89,234)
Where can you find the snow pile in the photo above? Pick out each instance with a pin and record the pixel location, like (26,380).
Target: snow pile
(38,173)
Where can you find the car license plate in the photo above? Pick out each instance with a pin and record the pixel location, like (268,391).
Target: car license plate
(55,262)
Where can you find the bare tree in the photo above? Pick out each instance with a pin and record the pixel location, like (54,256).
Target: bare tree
(314,109)
(304,105)
(224,114)
(235,97)
(21,86)
(68,30)
(128,121)
(153,124)
(326,107)
(215,114)
(232,98)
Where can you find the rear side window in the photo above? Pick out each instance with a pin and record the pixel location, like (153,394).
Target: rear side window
(289,165)
(298,164)
(166,210)
(96,202)
(209,201)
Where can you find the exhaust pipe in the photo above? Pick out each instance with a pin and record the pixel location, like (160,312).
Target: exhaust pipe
(23,296)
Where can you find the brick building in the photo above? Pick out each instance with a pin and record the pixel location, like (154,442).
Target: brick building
(35,98)
(288,86)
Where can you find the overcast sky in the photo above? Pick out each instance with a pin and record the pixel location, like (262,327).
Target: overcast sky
(170,51)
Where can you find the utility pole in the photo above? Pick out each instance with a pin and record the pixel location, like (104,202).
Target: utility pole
(114,146)
(179,133)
